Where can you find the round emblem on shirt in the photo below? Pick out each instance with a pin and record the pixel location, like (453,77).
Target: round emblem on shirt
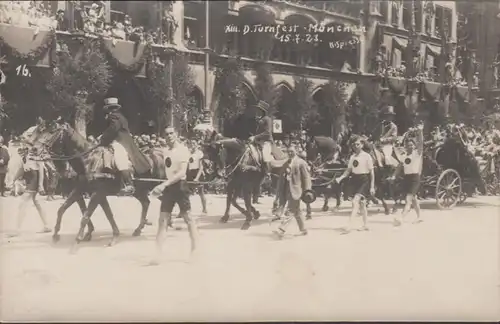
(168,162)
(355,163)
(191,160)
(407,160)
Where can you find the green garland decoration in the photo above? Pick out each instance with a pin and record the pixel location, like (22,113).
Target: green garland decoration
(35,55)
(134,68)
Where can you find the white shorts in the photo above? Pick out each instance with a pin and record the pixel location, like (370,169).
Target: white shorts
(121,156)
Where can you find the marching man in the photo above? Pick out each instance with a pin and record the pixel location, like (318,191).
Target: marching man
(294,184)
(118,136)
(175,190)
(362,181)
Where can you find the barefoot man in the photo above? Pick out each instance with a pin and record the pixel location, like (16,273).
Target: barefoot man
(175,190)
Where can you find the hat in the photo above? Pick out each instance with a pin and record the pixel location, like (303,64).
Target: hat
(388,110)
(263,105)
(308,197)
(111,104)
(60,10)
(94,5)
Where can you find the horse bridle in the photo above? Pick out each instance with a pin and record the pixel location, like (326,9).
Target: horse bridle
(47,148)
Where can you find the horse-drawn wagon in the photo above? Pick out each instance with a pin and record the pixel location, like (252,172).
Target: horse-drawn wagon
(450,172)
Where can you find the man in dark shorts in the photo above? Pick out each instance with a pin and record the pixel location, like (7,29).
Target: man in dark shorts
(362,181)
(174,190)
(411,167)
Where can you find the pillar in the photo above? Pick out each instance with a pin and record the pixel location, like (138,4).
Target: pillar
(178,13)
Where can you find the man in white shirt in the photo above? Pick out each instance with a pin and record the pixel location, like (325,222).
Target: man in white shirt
(174,190)
(362,181)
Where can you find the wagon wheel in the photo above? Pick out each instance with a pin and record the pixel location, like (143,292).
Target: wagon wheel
(448,189)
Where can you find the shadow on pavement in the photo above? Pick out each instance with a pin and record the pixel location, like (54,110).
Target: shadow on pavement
(231,224)
(99,240)
(431,204)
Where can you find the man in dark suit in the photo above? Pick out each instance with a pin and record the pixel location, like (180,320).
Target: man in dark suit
(264,134)
(118,136)
(293,183)
(4,162)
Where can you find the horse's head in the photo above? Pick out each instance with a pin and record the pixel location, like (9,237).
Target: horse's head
(45,137)
(58,141)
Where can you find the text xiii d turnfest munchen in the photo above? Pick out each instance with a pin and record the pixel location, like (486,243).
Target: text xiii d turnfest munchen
(291,33)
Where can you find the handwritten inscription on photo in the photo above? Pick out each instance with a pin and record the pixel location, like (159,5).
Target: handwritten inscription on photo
(310,34)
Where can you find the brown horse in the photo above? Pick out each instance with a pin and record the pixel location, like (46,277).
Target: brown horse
(63,144)
(241,163)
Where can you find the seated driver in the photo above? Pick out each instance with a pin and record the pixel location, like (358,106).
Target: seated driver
(125,150)
(264,134)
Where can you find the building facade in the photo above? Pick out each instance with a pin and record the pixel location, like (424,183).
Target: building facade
(350,41)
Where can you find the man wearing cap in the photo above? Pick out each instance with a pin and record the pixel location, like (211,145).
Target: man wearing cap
(294,184)
(264,134)
(118,136)
(388,137)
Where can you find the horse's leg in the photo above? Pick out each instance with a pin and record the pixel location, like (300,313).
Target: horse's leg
(72,198)
(247,197)
(229,200)
(326,193)
(234,202)
(338,197)
(145,202)
(109,215)
(90,225)
(95,199)
(253,210)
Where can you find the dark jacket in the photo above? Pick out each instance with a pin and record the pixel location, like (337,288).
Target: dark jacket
(264,130)
(4,155)
(118,131)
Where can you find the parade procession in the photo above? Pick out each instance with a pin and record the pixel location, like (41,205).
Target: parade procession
(132,128)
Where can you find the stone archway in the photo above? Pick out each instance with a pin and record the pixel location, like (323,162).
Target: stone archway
(243,125)
(322,125)
(302,53)
(283,107)
(194,111)
(257,45)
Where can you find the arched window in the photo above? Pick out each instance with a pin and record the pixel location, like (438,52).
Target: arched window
(285,108)
(256,45)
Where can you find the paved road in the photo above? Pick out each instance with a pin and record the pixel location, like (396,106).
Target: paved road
(446,268)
